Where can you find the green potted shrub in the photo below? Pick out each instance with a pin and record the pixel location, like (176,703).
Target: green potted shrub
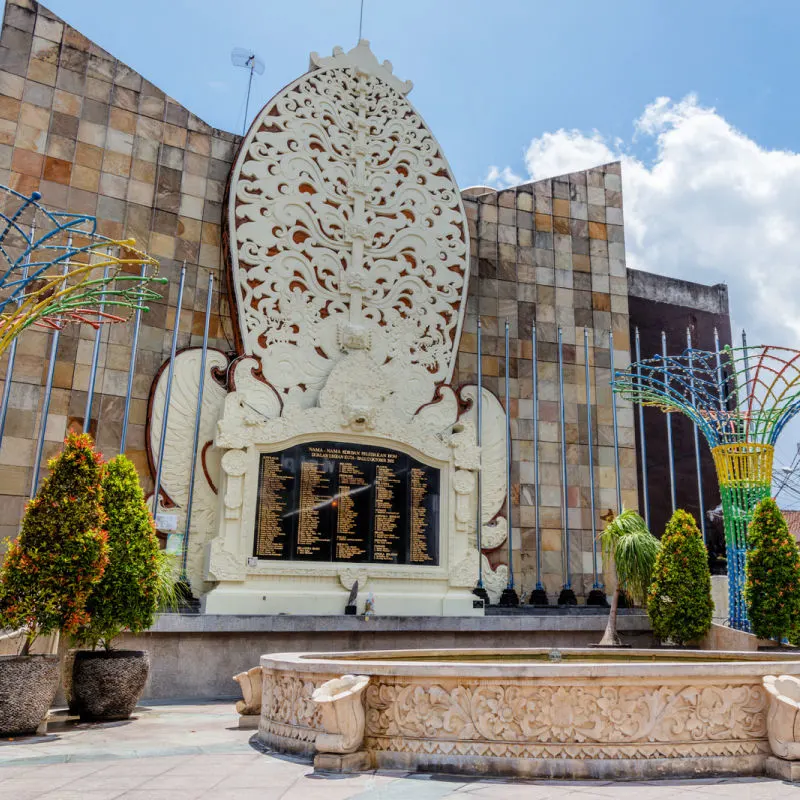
(46,577)
(106,682)
(772,575)
(679,601)
(627,542)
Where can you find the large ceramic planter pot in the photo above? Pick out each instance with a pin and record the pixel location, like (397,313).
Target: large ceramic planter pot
(28,685)
(108,685)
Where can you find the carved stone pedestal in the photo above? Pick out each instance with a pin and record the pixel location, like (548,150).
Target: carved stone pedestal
(783,770)
(344,762)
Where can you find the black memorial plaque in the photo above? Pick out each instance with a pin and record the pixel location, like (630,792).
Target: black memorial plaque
(327,501)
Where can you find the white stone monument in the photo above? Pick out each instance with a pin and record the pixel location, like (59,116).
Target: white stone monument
(349,264)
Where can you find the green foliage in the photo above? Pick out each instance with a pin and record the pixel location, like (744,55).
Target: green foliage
(127,596)
(168,592)
(627,541)
(61,550)
(679,602)
(772,574)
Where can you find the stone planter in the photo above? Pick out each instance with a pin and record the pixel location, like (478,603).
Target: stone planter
(28,685)
(108,685)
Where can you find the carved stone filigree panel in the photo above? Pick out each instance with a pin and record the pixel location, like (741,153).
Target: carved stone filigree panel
(347,231)
(562,718)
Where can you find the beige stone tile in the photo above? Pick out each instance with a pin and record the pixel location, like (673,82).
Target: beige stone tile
(11,85)
(29,138)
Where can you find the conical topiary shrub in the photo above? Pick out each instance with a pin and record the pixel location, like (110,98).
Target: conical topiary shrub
(107,684)
(679,601)
(61,550)
(126,597)
(772,574)
(46,578)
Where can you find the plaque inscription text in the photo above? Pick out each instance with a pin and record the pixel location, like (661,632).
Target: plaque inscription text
(327,501)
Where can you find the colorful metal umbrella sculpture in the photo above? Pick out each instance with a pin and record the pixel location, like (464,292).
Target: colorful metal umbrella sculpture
(740,399)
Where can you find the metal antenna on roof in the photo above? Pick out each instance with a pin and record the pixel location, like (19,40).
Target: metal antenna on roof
(240,57)
(361,20)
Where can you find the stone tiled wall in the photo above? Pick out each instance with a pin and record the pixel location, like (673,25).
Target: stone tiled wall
(94,137)
(553,253)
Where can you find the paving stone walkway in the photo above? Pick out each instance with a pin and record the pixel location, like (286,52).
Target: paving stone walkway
(196,752)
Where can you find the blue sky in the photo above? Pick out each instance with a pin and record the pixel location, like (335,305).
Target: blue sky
(488,75)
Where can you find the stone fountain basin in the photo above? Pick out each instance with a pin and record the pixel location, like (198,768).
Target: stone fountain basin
(595,714)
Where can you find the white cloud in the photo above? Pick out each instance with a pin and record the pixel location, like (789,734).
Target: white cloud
(712,206)
(500,179)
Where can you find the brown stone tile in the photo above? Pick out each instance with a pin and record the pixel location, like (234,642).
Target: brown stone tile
(143,171)
(122,120)
(126,99)
(117,164)
(82,202)
(561,225)
(601,301)
(597,230)
(24,184)
(97,89)
(64,125)
(27,162)
(73,59)
(199,143)
(88,155)
(561,207)
(8,131)
(581,262)
(57,170)
(76,39)
(9,108)
(85,178)
(175,136)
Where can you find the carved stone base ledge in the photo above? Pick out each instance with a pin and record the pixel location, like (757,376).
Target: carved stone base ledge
(248,722)
(783,770)
(347,762)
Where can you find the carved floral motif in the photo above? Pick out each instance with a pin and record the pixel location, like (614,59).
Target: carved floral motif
(567,714)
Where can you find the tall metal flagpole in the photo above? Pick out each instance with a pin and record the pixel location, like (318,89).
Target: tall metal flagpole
(168,391)
(701,504)
(87,414)
(567,596)
(538,595)
(669,428)
(615,424)
(509,596)
(642,441)
(479,590)
(48,391)
(137,322)
(196,435)
(12,351)
(596,596)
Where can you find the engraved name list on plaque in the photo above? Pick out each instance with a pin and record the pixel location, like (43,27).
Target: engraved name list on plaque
(330,501)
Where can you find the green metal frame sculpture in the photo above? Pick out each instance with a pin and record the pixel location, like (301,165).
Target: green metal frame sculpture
(740,399)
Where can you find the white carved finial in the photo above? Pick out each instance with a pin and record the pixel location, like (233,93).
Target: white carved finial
(342,714)
(783,717)
(363,59)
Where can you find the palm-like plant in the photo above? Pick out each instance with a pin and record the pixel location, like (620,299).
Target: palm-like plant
(627,542)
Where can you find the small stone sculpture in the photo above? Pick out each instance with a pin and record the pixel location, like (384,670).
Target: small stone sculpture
(342,714)
(250,683)
(783,717)
(369,605)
